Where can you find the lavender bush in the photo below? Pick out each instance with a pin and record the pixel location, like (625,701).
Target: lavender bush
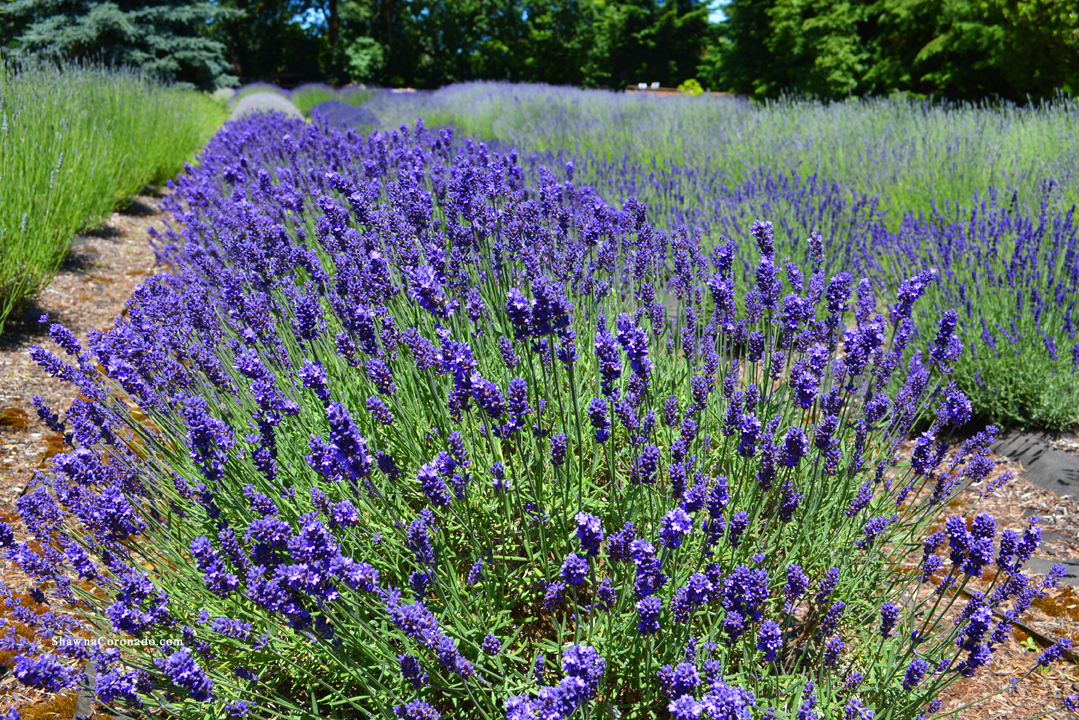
(308,95)
(263,102)
(907,153)
(259,87)
(1013,281)
(406,434)
(338,114)
(75,139)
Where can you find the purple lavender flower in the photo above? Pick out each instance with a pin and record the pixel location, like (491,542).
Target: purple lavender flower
(575,569)
(738,523)
(601,422)
(381,376)
(379,411)
(797,582)
(643,471)
(416,710)
(832,649)
(685,708)
(420,543)
(648,615)
(1055,652)
(216,577)
(828,584)
(914,673)
(670,411)
(185,674)
(946,347)
(728,702)
(491,645)
(831,619)
(750,429)
(618,545)
(44,672)
(764,235)
(434,487)
(696,592)
(428,292)
(583,663)
(552,597)
(605,596)
(488,396)
(558,449)
(509,356)
(608,356)
(412,672)
(590,533)
(769,640)
(680,680)
(889,613)
(635,342)
(745,590)
(519,312)
(674,526)
(795,447)
(240,708)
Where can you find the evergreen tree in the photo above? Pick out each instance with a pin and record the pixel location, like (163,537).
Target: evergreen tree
(166,38)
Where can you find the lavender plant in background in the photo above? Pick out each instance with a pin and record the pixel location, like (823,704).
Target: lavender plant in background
(338,114)
(259,87)
(611,470)
(308,95)
(263,102)
(1013,279)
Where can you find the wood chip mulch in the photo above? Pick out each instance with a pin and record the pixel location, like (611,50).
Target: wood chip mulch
(106,264)
(98,276)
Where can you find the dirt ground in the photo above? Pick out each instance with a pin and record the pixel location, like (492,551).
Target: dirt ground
(100,275)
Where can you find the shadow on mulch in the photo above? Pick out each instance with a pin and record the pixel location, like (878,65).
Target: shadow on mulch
(23,328)
(79,260)
(137,208)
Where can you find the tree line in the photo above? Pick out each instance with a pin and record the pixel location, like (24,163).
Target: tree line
(959,49)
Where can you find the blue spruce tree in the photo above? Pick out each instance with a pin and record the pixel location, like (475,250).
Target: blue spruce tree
(166,38)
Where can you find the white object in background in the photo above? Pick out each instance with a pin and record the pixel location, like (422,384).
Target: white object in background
(655,86)
(642,86)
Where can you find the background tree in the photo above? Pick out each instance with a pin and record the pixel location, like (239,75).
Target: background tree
(645,41)
(268,40)
(428,43)
(959,49)
(164,37)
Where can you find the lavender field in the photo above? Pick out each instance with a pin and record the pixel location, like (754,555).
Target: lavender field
(984,195)
(558,404)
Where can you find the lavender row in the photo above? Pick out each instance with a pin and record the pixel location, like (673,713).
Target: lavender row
(411,429)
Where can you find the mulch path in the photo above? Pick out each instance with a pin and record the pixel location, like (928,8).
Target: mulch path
(98,276)
(106,264)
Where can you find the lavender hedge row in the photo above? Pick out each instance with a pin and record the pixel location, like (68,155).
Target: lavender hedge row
(404,433)
(888,183)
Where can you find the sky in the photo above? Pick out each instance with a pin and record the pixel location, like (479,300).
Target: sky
(316,16)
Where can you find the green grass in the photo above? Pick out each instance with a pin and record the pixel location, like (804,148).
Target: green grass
(74,141)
